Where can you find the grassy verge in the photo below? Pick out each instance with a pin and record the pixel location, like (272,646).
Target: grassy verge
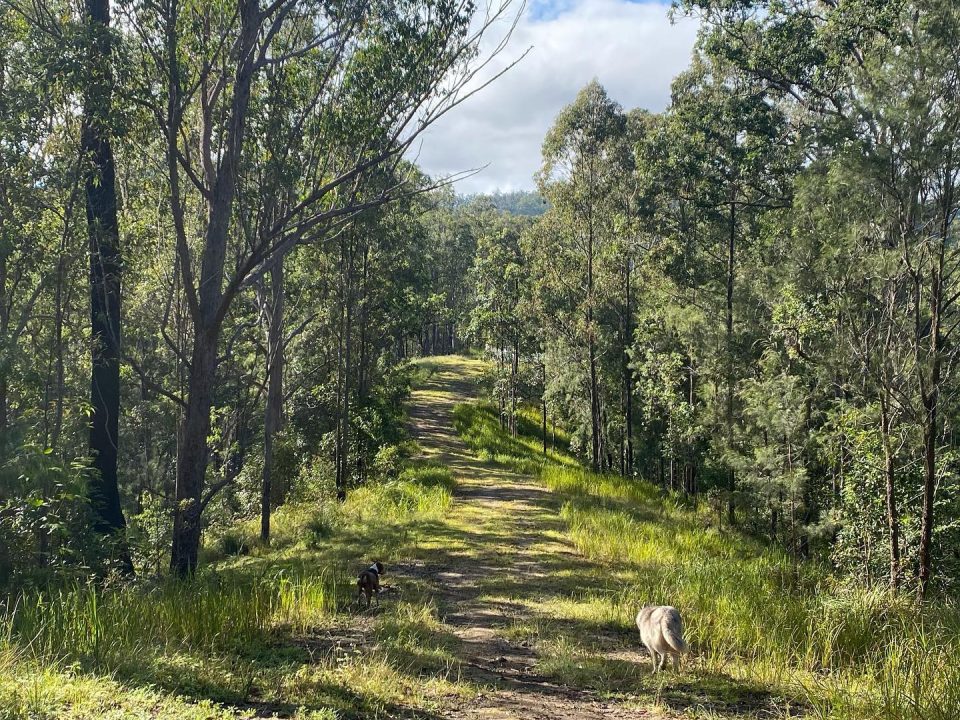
(269,631)
(772,636)
(479,426)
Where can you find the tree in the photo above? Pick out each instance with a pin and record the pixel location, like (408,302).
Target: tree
(375,72)
(105,272)
(575,178)
(734,140)
(881,78)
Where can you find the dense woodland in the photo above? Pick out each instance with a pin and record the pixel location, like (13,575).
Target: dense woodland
(751,298)
(722,338)
(214,260)
(214,269)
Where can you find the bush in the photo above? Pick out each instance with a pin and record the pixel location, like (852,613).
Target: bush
(388,462)
(150,533)
(45,522)
(233,543)
(324,522)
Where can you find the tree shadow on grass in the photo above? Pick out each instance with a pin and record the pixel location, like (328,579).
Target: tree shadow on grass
(281,675)
(726,696)
(686,692)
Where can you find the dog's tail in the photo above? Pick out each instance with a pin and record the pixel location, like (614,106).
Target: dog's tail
(672,628)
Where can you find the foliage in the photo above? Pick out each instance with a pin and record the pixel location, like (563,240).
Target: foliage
(751,297)
(831,649)
(234,633)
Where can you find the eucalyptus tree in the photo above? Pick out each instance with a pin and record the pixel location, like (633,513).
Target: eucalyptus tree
(378,71)
(576,178)
(105,273)
(500,319)
(45,266)
(881,78)
(733,145)
(21,203)
(633,207)
(454,227)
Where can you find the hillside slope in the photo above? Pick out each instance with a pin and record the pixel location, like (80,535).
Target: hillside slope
(510,593)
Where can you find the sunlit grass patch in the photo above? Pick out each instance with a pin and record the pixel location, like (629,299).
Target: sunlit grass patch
(479,426)
(421,494)
(571,663)
(422,491)
(30,690)
(234,633)
(369,683)
(752,610)
(772,635)
(414,638)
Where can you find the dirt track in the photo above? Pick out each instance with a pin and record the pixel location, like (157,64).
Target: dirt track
(504,549)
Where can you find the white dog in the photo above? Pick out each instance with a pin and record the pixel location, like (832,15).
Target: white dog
(661,630)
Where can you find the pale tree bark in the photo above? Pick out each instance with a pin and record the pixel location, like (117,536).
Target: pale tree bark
(343,433)
(208,310)
(627,374)
(592,349)
(731,269)
(220,95)
(274,401)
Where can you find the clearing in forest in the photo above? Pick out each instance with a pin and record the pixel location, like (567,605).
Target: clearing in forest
(524,604)
(510,592)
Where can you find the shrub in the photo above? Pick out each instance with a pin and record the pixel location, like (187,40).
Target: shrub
(233,543)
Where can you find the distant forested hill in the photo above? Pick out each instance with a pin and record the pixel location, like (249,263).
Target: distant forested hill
(519,202)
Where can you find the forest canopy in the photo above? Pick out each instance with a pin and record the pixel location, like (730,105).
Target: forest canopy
(214,257)
(707,361)
(750,298)
(216,260)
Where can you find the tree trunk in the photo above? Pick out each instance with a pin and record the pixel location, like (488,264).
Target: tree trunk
(4,329)
(592,351)
(344,434)
(514,380)
(59,369)
(931,404)
(208,313)
(691,403)
(889,474)
(274,401)
(627,378)
(731,266)
(543,406)
(194,455)
(105,269)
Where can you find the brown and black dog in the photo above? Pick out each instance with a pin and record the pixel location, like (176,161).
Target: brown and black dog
(368,583)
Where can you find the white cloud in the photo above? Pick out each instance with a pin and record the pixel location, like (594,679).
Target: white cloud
(631,48)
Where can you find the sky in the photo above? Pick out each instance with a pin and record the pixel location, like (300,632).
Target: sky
(632,48)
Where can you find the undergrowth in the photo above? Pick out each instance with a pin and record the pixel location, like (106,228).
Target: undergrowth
(778,626)
(245,633)
(478,424)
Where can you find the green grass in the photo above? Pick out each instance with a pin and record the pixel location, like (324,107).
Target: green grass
(262,632)
(771,635)
(479,426)
(753,611)
(274,632)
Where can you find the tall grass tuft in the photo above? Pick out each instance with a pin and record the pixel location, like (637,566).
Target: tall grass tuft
(479,426)
(99,628)
(421,492)
(752,610)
